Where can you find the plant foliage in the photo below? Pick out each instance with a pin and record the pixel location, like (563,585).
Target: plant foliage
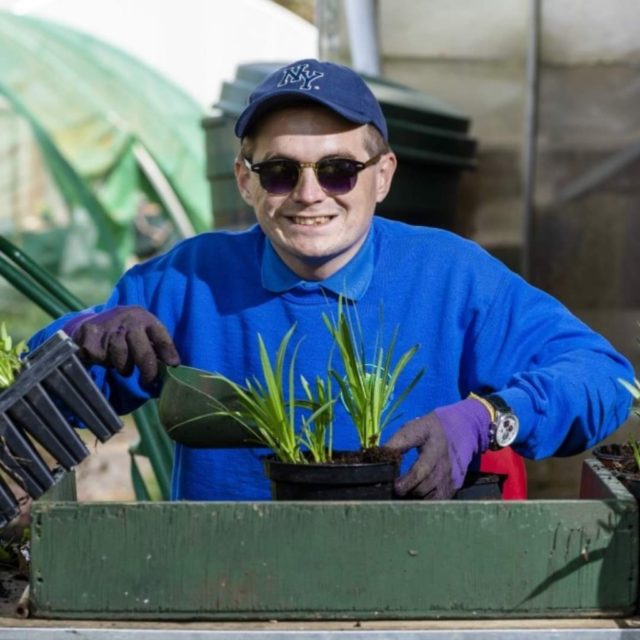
(317,430)
(634,390)
(10,357)
(367,390)
(268,408)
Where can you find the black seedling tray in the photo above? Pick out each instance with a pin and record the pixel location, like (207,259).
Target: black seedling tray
(52,393)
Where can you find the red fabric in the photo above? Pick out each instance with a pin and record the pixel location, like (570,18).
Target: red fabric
(507,462)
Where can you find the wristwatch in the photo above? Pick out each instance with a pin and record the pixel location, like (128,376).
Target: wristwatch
(504,427)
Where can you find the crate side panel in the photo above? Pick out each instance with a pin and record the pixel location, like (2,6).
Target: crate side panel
(598,483)
(334,560)
(64,489)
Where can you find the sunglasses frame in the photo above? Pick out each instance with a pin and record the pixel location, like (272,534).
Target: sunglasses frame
(358,167)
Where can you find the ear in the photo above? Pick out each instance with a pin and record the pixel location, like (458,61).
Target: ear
(386,168)
(243,181)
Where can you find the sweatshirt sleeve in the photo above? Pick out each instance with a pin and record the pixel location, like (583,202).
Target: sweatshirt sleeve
(561,378)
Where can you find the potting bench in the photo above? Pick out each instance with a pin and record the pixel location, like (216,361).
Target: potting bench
(401,630)
(531,569)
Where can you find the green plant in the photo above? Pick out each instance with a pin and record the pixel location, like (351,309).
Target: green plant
(634,390)
(317,430)
(10,362)
(366,389)
(268,411)
(635,450)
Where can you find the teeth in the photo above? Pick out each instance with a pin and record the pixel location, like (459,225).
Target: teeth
(312,221)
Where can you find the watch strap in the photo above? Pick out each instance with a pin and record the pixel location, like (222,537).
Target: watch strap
(503,412)
(498,403)
(487,405)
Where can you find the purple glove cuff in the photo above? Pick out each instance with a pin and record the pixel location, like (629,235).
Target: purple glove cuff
(72,325)
(466,426)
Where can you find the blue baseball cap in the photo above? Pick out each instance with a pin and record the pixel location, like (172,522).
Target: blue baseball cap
(335,86)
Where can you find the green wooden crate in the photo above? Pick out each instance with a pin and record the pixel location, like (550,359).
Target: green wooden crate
(386,560)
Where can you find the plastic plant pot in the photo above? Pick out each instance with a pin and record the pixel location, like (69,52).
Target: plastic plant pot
(481,486)
(51,394)
(632,483)
(612,454)
(331,481)
(360,481)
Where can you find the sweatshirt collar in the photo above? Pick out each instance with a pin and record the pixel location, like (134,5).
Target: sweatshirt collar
(351,281)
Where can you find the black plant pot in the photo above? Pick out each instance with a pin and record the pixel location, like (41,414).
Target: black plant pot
(335,481)
(612,454)
(631,481)
(360,481)
(481,486)
(52,392)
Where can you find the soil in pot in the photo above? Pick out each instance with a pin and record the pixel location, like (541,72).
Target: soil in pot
(352,475)
(613,456)
(620,460)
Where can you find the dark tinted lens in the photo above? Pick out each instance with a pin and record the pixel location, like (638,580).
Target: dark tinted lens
(279,176)
(337,175)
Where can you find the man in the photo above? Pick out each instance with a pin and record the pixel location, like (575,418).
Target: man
(314,162)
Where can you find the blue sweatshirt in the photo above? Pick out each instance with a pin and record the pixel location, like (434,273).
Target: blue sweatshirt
(480,327)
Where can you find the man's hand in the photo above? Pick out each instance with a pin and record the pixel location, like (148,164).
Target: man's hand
(123,338)
(447,439)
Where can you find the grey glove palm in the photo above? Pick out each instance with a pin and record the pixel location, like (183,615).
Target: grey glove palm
(123,338)
(447,440)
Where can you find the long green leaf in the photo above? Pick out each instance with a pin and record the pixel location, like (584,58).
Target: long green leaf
(261,406)
(367,390)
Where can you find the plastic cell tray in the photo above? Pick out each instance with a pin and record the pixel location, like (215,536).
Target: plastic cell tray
(52,393)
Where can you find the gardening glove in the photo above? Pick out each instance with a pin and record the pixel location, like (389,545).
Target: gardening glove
(447,440)
(123,338)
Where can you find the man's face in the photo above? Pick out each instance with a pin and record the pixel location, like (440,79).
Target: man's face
(314,233)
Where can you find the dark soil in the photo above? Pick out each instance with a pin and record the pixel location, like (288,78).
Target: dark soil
(614,450)
(618,457)
(627,466)
(369,455)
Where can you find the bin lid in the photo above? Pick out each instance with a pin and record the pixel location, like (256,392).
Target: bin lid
(422,129)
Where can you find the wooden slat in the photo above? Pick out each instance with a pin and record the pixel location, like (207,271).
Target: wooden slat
(388,560)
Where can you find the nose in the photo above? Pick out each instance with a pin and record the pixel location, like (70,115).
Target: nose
(308,188)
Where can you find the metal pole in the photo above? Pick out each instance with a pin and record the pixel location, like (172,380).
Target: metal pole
(362,25)
(327,21)
(530,135)
(40,275)
(25,285)
(151,436)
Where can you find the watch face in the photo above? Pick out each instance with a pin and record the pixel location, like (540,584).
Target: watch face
(506,429)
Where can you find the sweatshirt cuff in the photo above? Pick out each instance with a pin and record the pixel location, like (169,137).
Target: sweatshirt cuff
(72,325)
(520,403)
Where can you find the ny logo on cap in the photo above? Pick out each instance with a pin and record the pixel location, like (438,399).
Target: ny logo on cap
(300,73)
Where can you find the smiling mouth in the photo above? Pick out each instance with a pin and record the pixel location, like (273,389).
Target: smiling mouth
(314,221)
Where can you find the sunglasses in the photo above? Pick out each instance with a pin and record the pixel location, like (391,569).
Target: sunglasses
(336,176)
